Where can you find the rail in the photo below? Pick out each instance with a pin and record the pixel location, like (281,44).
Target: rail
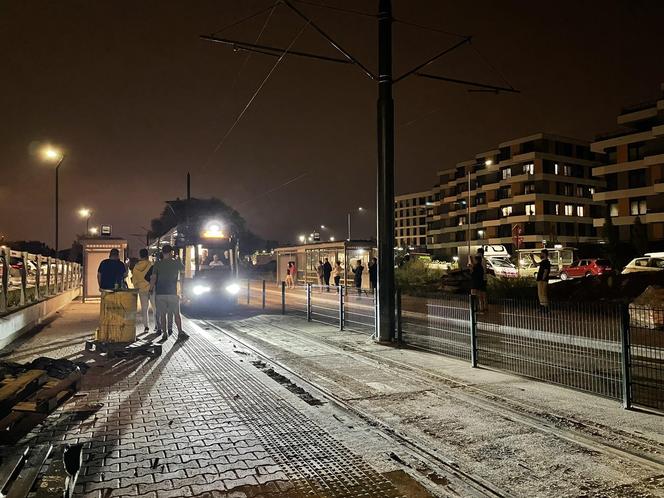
(27,278)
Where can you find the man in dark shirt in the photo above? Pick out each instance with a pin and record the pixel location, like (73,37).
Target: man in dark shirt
(327,271)
(111,272)
(373,274)
(543,280)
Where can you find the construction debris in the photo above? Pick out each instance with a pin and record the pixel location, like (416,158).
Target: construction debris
(49,471)
(29,392)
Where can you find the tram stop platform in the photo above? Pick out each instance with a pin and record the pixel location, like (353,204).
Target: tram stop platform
(273,406)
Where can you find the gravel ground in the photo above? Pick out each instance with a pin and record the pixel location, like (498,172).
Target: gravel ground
(447,415)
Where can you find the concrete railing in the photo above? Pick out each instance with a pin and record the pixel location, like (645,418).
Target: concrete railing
(27,279)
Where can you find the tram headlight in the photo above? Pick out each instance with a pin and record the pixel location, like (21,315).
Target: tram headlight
(200,289)
(233,288)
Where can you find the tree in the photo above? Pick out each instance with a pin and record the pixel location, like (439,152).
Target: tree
(612,239)
(639,237)
(194,213)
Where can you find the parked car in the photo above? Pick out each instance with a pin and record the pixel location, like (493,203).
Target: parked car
(586,268)
(649,262)
(501,267)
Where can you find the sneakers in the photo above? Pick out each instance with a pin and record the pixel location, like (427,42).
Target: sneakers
(164,336)
(182,336)
(146,330)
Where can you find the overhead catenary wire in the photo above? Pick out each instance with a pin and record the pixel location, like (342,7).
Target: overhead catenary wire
(255,94)
(338,9)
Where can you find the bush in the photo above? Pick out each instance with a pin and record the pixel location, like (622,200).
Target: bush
(512,288)
(415,278)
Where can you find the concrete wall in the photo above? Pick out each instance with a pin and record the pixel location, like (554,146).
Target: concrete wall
(19,322)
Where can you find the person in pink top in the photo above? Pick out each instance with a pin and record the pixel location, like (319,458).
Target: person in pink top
(293,274)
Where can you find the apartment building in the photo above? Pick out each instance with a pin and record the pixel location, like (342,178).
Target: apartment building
(410,219)
(527,192)
(633,169)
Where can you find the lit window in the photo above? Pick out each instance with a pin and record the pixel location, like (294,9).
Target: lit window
(507,173)
(579,210)
(507,210)
(557,209)
(556,168)
(637,207)
(591,190)
(569,210)
(530,209)
(462,220)
(529,168)
(529,188)
(613,209)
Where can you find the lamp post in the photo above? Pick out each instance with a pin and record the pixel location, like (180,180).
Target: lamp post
(360,209)
(85,213)
(56,156)
(93,231)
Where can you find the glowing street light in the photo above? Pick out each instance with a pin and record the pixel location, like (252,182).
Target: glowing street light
(93,231)
(303,239)
(331,239)
(53,155)
(85,213)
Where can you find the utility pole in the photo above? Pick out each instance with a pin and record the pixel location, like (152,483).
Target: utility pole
(386,319)
(385,196)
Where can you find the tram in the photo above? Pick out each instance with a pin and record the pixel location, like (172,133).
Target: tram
(210,253)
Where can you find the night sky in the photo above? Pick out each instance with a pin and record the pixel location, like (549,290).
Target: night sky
(137,100)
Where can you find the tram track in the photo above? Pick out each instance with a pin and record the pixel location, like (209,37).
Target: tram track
(592,436)
(442,466)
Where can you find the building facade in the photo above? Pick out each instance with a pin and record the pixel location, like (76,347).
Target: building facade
(528,192)
(410,219)
(633,169)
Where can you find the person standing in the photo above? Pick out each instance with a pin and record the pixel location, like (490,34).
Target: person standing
(327,271)
(289,278)
(216,261)
(337,272)
(477,282)
(543,273)
(111,272)
(164,282)
(293,274)
(482,293)
(373,274)
(357,276)
(139,282)
(320,273)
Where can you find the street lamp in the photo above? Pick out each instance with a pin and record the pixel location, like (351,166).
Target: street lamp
(303,239)
(85,213)
(53,155)
(360,209)
(93,231)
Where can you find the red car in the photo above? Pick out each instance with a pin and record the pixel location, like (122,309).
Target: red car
(586,268)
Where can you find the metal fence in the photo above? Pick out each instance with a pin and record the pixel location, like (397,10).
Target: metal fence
(29,278)
(611,350)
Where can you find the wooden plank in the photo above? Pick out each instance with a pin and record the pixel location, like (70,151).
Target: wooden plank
(26,478)
(13,389)
(45,399)
(22,423)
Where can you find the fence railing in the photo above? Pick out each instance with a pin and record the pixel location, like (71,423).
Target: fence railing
(29,278)
(341,306)
(611,350)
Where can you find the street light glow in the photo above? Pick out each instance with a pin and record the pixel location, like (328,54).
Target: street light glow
(302,238)
(360,209)
(488,162)
(84,212)
(51,153)
(323,227)
(331,239)
(94,230)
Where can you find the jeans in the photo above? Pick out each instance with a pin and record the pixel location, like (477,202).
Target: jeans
(146,299)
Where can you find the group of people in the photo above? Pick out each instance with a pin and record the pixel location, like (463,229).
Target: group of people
(478,276)
(157,285)
(325,271)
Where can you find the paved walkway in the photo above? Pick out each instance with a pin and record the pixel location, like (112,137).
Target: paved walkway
(202,420)
(228,414)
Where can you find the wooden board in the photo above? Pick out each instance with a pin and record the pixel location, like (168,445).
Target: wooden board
(24,385)
(45,399)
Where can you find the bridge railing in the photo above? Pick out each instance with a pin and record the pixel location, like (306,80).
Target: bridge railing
(27,278)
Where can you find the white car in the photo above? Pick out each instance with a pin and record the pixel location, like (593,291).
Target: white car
(501,267)
(650,262)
